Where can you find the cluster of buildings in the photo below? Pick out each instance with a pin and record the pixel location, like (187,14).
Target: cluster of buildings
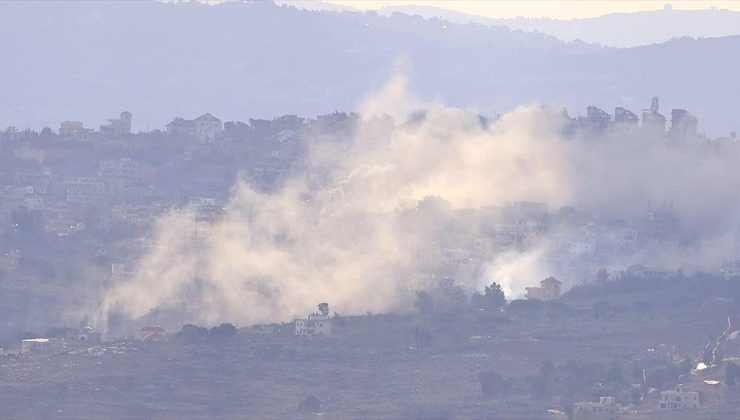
(85,336)
(98,190)
(126,192)
(40,345)
(684,125)
(693,397)
(205,127)
(120,126)
(120,182)
(677,400)
(121,179)
(577,246)
(122,191)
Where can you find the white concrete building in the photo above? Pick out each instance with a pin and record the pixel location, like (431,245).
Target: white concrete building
(315,324)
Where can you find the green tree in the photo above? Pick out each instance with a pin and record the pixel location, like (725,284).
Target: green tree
(494,297)
(324,308)
(190,333)
(223,331)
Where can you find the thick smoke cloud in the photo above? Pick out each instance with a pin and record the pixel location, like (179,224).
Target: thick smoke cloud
(355,229)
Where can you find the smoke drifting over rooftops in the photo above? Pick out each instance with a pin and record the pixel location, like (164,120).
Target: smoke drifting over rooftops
(358,226)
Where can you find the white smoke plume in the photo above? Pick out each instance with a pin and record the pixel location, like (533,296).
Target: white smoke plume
(354,232)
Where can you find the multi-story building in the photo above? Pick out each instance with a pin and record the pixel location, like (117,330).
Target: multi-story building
(683,124)
(549,290)
(625,116)
(678,398)
(85,190)
(127,169)
(118,126)
(598,119)
(653,121)
(207,127)
(70,128)
(316,323)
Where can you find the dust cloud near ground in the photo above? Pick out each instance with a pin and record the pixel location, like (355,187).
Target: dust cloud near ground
(353,227)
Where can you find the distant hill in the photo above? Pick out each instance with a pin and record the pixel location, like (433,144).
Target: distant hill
(614,29)
(89,60)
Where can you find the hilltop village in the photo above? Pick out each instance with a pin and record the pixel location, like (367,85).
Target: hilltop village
(78,205)
(84,196)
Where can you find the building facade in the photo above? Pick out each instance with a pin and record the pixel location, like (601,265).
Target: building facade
(118,126)
(205,127)
(606,408)
(549,290)
(315,324)
(678,398)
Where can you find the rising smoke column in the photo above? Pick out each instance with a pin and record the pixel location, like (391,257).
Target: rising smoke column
(274,256)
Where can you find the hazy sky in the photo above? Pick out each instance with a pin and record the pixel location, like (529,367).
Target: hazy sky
(554,9)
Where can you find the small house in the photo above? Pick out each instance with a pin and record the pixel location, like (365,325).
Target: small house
(549,290)
(35,345)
